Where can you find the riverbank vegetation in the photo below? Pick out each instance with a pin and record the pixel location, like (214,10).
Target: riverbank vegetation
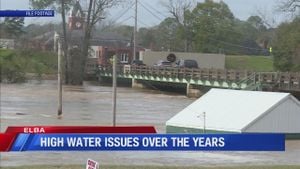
(15,64)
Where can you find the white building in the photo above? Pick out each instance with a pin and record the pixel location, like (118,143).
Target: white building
(235,111)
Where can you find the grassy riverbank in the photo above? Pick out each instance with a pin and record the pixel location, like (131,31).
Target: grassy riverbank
(254,63)
(15,64)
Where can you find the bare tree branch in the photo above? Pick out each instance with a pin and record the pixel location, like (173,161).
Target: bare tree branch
(98,9)
(289,5)
(96,12)
(266,18)
(177,8)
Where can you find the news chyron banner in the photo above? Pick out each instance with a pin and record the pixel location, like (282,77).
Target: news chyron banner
(141,138)
(27,13)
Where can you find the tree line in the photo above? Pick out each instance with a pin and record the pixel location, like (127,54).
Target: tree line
(211,27)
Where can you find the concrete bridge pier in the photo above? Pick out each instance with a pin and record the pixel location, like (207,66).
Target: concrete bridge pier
(136,84)
(192,91)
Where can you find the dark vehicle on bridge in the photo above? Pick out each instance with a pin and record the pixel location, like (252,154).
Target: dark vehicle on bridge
(187,64)
(138,63)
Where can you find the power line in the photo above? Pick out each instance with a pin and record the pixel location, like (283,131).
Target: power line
(115,19)
(236,45)
(131,17)
(121,22)
(121,13)
(157,17)
(162,14)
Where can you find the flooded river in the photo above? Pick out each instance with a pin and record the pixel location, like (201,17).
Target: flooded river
(35,103)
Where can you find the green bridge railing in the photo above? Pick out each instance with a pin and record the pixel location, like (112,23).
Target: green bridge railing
(233,79)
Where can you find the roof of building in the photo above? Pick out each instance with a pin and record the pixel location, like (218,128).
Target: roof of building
(228,110)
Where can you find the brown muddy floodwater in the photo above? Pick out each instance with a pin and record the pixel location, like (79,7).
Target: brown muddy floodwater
(35,103)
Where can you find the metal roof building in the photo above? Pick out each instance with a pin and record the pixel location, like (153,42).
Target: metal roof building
(235,111)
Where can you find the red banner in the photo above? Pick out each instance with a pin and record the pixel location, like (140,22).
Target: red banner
(6,141)
(82,129)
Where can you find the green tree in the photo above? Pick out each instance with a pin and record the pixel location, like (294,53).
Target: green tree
(180,11)
(250,37)
(168,35)
(263,34)
(212,25)
(257,23)
(142,33)
(245,36)
(13,26)
(287,46)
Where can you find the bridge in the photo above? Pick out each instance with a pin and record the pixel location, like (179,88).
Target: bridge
(217,78)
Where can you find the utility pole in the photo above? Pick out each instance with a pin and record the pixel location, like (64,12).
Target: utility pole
(59,77)
(114,94)
(200,116)
(135,30)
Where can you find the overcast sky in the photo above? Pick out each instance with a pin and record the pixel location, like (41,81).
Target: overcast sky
(242,9)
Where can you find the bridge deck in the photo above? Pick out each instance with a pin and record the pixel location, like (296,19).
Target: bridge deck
(236,79)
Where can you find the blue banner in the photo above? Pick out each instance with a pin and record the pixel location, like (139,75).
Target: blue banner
(149,142)
(26,13)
